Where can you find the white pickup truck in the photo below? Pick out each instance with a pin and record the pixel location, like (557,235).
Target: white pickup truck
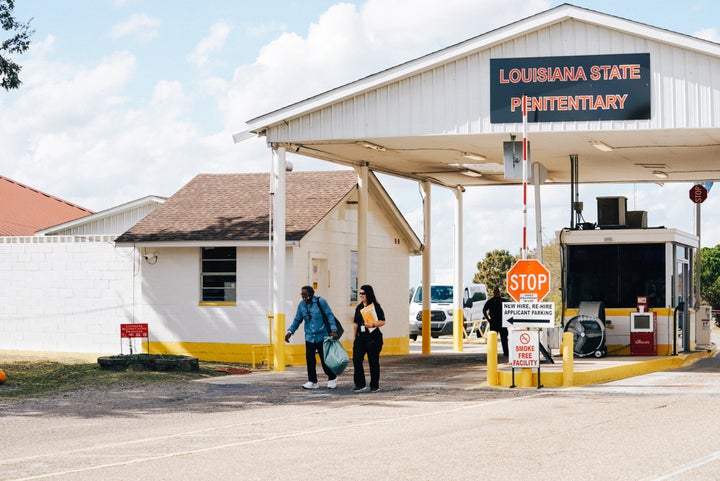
(441,308)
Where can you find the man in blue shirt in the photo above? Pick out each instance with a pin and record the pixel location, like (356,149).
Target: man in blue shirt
(311,310)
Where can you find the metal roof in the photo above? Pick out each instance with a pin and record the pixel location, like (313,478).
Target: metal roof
(416,120)
(26,210)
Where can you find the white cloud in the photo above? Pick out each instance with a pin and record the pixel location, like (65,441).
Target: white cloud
(212,43)
(140,26)
(75,131)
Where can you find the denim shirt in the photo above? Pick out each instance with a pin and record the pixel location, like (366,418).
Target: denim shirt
(315,330)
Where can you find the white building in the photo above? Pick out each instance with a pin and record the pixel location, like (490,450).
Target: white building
(204,262)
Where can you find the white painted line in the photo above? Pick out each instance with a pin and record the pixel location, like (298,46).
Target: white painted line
(262,440)
(687,467)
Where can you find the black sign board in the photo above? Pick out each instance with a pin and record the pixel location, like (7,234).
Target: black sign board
(576,88)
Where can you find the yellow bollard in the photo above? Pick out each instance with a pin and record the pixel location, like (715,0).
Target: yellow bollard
(279,347)
(567,356)
(492,361)
(458,330)
(425,332)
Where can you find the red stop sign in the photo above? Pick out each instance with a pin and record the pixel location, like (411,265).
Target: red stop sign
(698,193)
(528,276)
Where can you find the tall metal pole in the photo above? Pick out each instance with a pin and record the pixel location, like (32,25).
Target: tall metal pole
(524,178)
(538,212)
(363,208)
(426,294)
(458,321)
(279,261)
(698,260)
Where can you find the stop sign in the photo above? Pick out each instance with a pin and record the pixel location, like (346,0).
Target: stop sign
(698,193)
(528,276)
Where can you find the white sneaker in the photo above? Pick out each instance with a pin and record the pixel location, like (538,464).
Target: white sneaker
(332,383)
(310,385)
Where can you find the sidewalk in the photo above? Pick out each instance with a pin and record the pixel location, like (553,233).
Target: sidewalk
(468,370)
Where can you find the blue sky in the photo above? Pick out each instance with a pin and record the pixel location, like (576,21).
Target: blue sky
(127,98)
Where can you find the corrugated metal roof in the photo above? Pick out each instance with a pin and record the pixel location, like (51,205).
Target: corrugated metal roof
(24,210)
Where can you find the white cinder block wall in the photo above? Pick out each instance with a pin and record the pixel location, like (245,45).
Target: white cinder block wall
(66,294)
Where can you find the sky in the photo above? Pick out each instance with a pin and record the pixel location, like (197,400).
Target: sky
(127,98)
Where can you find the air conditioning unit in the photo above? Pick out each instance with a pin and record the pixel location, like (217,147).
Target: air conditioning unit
(636,219)
(611,211)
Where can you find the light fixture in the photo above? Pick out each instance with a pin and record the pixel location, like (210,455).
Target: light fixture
(371,146)
(660,174)
(476,157)
(151,258)
(468,169)
(601,146)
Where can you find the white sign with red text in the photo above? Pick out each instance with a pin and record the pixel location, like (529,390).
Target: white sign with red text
(525,348)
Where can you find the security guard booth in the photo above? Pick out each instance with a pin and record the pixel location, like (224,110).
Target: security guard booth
(617,266)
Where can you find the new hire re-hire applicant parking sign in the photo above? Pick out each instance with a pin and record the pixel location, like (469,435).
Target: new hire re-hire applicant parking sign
(528,282)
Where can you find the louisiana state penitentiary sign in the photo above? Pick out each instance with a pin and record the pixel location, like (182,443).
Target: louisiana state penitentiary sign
(574,88)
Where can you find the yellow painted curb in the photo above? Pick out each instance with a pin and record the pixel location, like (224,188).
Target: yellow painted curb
(554,378)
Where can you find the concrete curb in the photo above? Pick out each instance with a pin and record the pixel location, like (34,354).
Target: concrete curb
(598,372)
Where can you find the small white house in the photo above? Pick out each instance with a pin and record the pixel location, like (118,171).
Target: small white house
(204,262)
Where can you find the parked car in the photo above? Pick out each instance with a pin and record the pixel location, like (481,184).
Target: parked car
(441,308)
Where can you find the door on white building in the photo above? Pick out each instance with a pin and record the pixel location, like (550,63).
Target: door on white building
(319,275)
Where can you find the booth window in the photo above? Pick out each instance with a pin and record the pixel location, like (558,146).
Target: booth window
(219,274)
(616,274)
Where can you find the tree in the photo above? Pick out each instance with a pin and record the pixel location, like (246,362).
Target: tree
(493,269)
(17,44)
(710,275)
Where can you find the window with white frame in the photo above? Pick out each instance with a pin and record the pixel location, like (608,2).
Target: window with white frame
(219,274)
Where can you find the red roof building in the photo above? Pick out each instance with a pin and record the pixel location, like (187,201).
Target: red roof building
(24,210)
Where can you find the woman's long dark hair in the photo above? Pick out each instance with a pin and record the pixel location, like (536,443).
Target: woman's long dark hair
(369,294)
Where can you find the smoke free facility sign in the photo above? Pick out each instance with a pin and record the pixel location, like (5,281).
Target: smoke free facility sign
(571,88)
(524,349)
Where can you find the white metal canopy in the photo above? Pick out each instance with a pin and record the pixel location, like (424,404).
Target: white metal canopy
(416,120)
(430,119)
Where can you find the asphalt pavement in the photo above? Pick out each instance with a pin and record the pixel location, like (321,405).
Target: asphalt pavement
(434,418)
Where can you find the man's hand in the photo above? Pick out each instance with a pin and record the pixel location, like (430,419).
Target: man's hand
(287,336)
(334,335)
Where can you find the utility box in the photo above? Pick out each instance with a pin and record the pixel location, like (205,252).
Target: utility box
(611,212)
(643,334)
(703,326)
(636,219)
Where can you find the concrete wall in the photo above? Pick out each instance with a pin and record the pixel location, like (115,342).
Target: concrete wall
(65,294)
(171,299)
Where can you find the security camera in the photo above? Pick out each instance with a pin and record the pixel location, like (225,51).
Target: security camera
(152,258)
(148,257)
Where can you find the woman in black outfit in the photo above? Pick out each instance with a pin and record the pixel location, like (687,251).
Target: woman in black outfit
(368,340)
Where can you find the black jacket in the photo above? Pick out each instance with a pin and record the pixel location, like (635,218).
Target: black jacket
(493,312)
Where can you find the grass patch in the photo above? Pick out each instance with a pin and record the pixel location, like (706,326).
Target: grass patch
(27,379)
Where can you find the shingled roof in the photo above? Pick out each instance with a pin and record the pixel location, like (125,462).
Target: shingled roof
(235,207)
(25,210)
